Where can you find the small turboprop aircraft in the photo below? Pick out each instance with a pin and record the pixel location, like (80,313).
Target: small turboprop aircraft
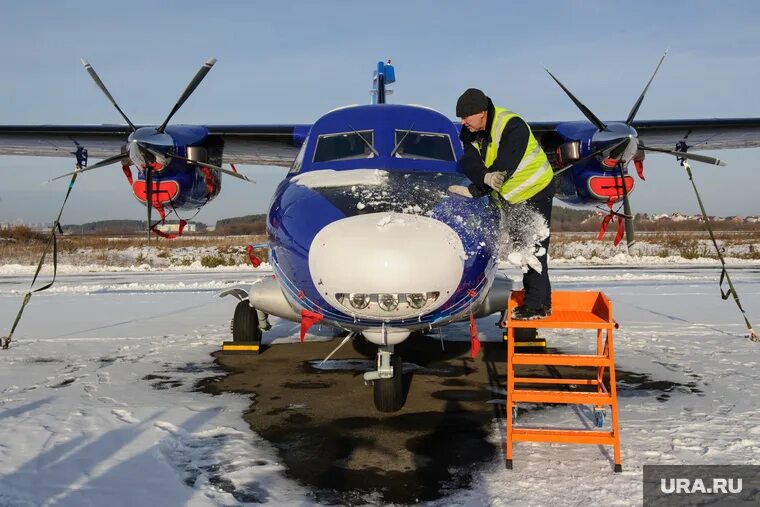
(362,232)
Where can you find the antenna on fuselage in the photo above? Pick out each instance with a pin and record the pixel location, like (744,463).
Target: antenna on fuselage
(383,76)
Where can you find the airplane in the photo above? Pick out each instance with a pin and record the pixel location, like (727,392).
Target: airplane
(363,234)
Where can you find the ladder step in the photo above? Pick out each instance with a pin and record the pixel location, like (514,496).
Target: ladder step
(561,359)
(563,436)
(564,319)
(532,396)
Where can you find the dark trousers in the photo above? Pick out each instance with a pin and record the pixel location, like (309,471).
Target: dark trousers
(538,289)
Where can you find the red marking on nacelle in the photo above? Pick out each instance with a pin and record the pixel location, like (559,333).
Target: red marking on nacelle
(157,167)
(163,191)
(604,187)
(610,162)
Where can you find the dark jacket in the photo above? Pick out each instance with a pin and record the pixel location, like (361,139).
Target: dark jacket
(512,146)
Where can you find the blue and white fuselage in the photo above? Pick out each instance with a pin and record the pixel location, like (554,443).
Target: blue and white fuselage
(364,232)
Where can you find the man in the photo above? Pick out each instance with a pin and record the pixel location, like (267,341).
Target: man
(501,155)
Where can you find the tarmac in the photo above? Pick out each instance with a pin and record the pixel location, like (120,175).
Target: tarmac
(332,440)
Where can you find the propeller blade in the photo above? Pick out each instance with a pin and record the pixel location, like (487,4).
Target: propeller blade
(149,196)
(635,108)
(586,111)
(689,156)
(94,76)
(189,90)
(627,212)
(102,163)
(237,175)
(591,155)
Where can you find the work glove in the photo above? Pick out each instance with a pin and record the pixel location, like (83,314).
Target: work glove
(495,180)
(460,190)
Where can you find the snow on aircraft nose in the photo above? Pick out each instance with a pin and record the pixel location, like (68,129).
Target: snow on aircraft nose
(386,266)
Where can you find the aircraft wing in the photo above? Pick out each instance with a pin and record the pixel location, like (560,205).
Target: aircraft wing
(700,134)
(275,145)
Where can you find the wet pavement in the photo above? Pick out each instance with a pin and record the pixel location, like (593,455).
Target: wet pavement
(332,439)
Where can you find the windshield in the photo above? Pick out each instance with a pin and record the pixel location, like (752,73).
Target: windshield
(415,193)
(343,146)
(424,145)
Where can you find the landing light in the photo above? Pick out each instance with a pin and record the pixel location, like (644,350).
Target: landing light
(388,302)
(359,301)
(416,301)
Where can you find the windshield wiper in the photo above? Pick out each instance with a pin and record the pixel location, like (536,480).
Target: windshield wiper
(369,145)
(398,144)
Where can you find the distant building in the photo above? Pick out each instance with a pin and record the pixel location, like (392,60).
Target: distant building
(173,228)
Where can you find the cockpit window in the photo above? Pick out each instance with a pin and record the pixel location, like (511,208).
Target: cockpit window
(343,146)
(424,145)
(298,162)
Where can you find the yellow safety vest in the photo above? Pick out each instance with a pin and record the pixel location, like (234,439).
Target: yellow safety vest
(534,172)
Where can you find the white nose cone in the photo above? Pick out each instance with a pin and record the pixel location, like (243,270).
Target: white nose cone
(391,261)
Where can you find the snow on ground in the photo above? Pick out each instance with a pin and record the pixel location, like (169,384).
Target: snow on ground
(86,416)
(97,405)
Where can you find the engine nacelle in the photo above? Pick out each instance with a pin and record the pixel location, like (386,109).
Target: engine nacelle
(184,185)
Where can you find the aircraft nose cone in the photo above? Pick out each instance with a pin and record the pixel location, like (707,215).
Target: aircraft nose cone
(405,265)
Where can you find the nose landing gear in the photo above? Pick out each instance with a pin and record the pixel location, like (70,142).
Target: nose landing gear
(387,380)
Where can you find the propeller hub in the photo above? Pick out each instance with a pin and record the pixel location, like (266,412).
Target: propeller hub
(612,137)
(149,148)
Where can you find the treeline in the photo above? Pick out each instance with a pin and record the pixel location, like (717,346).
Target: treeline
(249,224)
(118,227)
(563,220)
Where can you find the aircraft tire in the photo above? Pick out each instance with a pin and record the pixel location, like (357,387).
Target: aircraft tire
(389,392)
(245,324)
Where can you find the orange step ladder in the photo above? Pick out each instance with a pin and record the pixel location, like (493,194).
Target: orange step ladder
(574,310)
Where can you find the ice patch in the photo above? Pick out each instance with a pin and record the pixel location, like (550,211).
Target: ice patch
(330,178)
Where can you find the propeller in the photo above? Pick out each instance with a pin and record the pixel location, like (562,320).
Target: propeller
(689,156)
(629,239)
(149,196)
(107,161)
(635,108)
(620,150)
(592,155)
(146,140)
(96,78)
(586,111)
(212,166)
(205,68)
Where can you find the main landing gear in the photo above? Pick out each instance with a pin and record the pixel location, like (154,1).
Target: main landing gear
(246,326)
(387,381)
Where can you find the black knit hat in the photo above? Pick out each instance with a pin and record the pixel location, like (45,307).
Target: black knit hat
(471,102)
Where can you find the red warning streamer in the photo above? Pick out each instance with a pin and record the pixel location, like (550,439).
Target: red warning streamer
(474,341)
(255,261)
(308,319)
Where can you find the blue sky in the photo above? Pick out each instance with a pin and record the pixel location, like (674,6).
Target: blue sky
(282,62)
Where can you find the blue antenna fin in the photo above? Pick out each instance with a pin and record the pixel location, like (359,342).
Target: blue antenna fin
(384,75)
